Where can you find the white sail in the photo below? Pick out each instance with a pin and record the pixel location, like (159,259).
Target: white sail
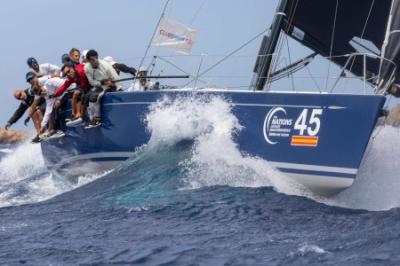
(174,35)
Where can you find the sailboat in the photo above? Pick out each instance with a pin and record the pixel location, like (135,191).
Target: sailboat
(316,138)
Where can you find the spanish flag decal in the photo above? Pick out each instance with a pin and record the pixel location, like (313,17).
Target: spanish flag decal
(307,141)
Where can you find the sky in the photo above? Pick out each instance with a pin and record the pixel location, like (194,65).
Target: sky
(122,29)
(46,29)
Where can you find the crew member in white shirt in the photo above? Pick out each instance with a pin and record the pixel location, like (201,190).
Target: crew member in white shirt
(102,77)
(46,91)
(142,83)
(43,69)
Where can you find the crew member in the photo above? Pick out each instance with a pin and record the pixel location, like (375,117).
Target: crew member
(27,98)
(43,69)
(47,91)
(102,77)
(75,56)
(65,59)
(142,83)
(395,90)
(75,75)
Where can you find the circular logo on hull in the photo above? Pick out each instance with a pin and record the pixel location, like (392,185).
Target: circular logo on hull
(277,125)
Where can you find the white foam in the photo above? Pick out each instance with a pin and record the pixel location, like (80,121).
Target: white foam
(24,178)
(305,249)
(172,121)
(216,159)
(377,186)
(30,191)
(26,160)
(5,150)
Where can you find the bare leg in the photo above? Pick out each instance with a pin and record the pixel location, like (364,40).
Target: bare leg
(51,122)
(75,109)
(57,104)
(79,109)
(83,109)
(37,119)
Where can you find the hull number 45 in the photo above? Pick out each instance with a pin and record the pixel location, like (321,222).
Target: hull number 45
(310,124)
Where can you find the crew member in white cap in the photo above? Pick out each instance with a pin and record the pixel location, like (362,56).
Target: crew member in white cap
(142,83)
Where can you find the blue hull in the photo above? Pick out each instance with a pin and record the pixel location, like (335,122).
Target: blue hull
(317,139)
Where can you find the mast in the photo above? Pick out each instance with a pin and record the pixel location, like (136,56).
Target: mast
(154,33)
(271,46)
(384,46)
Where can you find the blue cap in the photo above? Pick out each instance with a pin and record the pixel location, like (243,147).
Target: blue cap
(29,76)
(65,57)
(70,64)
(32,62)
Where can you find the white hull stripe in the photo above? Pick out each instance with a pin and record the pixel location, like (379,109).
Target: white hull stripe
(310,167)
(97,155)
(291,166)
(323,185)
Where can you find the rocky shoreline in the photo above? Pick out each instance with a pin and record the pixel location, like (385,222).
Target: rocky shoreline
(12,136)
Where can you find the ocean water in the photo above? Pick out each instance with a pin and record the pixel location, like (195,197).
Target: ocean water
(189,197)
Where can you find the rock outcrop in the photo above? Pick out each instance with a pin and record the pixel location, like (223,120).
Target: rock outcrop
(394,116)
(12,136)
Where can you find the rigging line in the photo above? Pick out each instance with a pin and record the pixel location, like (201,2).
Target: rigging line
(332,41)
(179,68)
(197,13)
(152,65)
(172,64)
(275,61)
(313,79)
(290,62)
(154,34)
(364,29)
(230,54)
(198,71)
(292,15)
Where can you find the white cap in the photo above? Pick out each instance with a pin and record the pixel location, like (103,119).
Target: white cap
(142,69)
(84,53)
(110,60)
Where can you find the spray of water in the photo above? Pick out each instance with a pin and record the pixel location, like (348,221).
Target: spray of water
(216,158)
(24,178)
(25,160)
(377,186)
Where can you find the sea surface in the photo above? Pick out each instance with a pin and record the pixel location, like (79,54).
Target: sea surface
(189,197)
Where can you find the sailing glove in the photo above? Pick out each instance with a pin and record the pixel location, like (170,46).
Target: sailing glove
(27,121)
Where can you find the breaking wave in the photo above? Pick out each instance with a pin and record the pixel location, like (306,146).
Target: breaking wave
(215,158)
(24,178)
(192,147)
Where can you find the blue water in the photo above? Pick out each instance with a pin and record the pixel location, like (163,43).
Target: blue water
(174,204)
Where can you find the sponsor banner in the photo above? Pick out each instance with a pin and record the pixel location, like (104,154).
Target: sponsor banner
(175,36)
(297,127)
